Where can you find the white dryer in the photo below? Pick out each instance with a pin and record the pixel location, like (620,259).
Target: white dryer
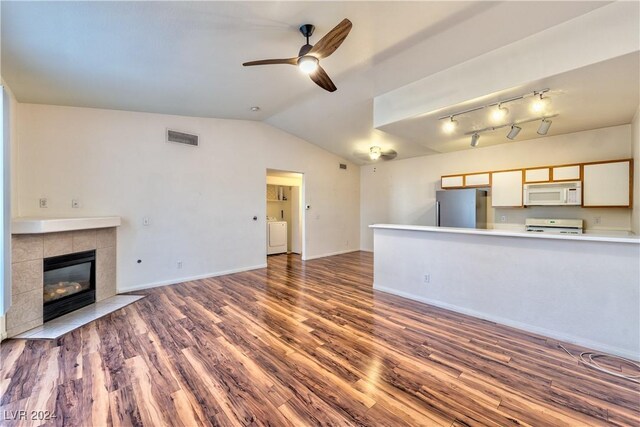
(276,237)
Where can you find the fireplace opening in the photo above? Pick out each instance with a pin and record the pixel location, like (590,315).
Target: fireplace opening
(69,283)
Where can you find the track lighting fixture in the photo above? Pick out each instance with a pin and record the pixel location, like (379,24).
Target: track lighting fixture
(544,127)
(450,125)
(515,130)
(474,139)
(375,152)
(499,113)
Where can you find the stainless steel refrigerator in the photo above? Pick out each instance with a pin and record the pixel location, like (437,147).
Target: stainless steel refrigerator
(466,208)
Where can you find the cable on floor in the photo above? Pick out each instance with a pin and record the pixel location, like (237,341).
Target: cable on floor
(587,358)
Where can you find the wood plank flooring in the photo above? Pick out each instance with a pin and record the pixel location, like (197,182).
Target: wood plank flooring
(302,343)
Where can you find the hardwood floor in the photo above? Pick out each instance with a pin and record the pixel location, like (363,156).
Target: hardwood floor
(302,344)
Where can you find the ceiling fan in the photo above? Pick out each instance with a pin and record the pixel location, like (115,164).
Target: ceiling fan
(309,56)
(376,153)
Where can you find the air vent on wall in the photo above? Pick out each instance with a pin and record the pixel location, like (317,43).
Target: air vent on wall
(182,138)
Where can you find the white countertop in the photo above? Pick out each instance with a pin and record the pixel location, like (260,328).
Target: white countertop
(599,236)
(37,225)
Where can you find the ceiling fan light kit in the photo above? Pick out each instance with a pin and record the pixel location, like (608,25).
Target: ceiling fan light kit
(375,152)
(309,56)
(308,64)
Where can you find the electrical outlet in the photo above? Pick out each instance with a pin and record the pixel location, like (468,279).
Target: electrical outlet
(179,264)
(75,203)
(146,221)
(597,220)
(503,218)
(44,203)
(427,278)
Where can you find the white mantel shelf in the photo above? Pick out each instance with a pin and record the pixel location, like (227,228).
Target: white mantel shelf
(612,237)
(38,225)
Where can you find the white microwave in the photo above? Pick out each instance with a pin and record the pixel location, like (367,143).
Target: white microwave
(553,194)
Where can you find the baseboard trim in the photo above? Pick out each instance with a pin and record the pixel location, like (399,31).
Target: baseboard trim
(189,279)
(330,254)
(516,324)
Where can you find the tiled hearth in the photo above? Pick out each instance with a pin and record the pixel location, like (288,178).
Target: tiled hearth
(67,323)
(28,252)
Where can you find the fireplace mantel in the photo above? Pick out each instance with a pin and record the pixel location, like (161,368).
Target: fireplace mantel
(39,225)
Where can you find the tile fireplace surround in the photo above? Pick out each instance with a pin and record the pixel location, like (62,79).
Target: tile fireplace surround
(28,252)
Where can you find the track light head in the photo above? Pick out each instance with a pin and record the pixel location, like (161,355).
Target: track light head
(514,131)
(450,125)
(545,124)
(499,113)
(474,139)
(539,104)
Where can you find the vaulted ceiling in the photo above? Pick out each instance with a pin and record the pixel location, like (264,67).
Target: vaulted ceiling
(185,57)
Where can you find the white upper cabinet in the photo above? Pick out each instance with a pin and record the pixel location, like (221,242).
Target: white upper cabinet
(537,175)
(456,181)
(477,180)
(506,189)
(566,173)
(607,184)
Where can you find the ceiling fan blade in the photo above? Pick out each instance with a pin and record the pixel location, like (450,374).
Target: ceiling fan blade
(321,78)
(290,61)
(332,40)
(389,155)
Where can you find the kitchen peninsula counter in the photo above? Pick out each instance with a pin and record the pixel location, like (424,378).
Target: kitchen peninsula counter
(596,236)
(583,289)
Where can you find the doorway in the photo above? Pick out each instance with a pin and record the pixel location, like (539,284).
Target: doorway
(285,214)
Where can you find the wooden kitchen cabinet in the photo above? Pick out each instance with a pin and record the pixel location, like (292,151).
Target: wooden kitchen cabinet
(506,189)
(607,184)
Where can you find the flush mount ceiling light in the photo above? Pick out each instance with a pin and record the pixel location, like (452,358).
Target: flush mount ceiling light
(499,113)
(515,130)
(375,152)
(544,127)
(450,125)
(474,139)
(254,109)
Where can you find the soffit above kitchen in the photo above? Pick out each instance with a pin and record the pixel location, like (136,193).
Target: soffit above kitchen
(597,96)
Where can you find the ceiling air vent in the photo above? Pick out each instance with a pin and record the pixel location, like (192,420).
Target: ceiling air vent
(182,138)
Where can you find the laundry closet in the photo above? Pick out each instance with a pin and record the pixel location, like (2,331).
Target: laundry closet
(284,225)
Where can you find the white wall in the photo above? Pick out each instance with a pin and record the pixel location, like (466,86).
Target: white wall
(635,218)
(200,200)
(8,115)
(403,191)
